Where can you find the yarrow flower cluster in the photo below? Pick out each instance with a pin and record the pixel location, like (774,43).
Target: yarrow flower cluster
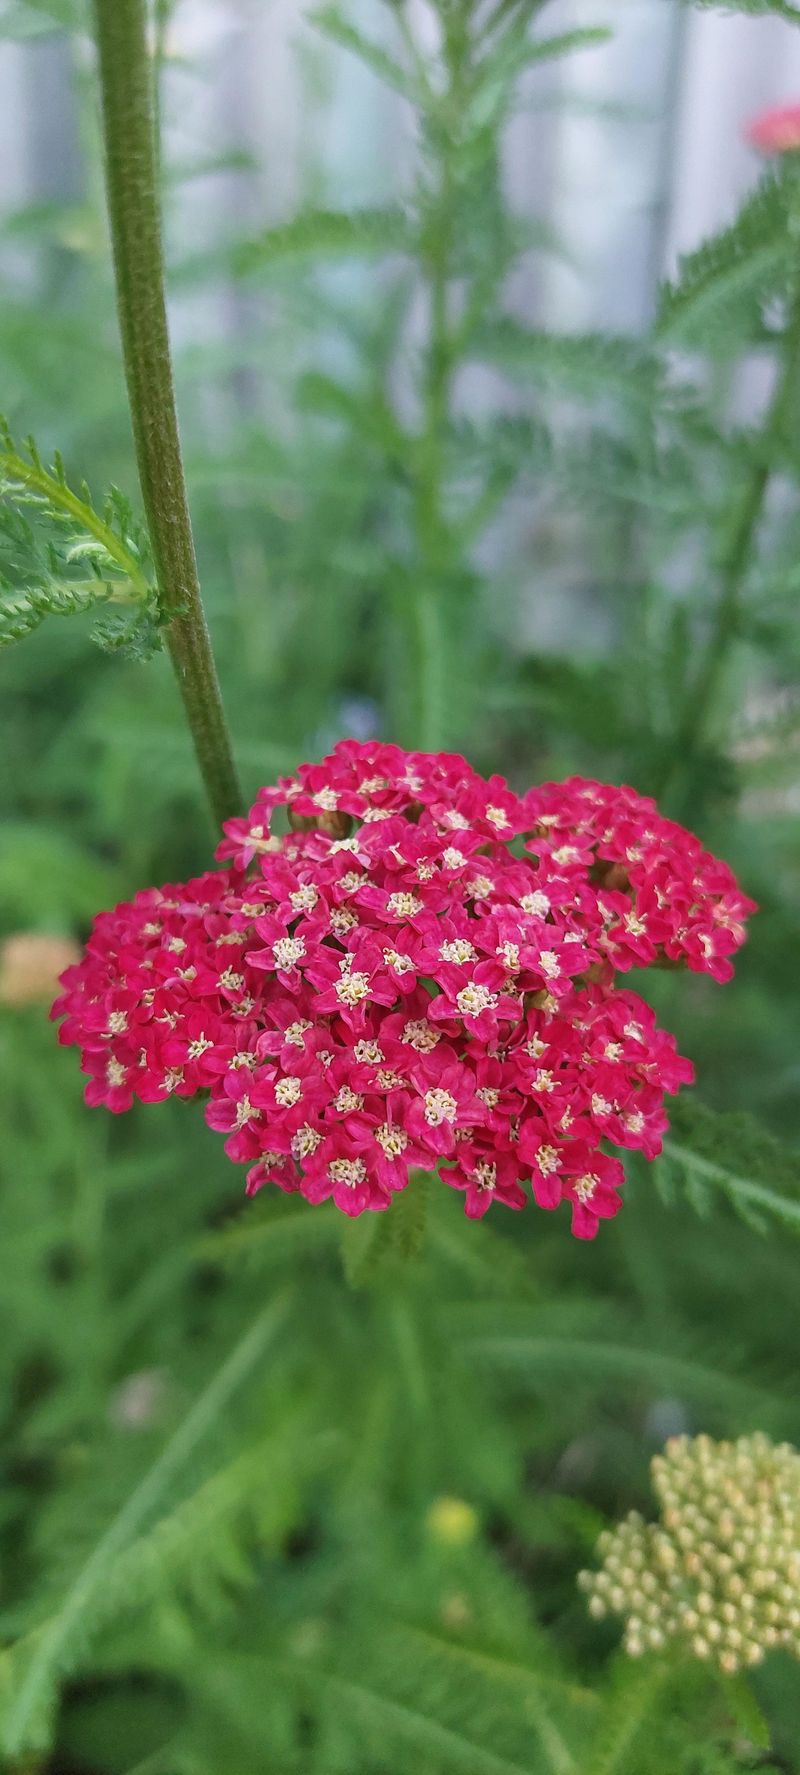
(419,973)
(721,1571)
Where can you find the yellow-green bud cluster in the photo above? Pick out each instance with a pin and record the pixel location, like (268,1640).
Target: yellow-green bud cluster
(720,1571)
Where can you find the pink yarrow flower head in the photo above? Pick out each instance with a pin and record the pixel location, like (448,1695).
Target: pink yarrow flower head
(425,972)
(775,131)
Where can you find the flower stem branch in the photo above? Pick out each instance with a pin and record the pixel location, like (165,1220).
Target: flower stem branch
(134,212)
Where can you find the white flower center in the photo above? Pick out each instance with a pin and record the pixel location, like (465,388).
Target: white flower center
(440,1107)
(342,920)
(401,964)
(473,999)
(459,951)
(353,987)
(350,1172)
(304,899)
(403,905)
(393,1140)
(288,1091)
(305,1142)
(246,1112)
(420,1035)
(536,905)
(288,951)
(346,1100)
(230,979)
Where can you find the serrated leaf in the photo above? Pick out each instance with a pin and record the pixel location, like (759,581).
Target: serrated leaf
(31,1670)
(727,277)
(372,1243)
(757,8)
(341,30)
(326,234)
(68,530)
(730,1155)
(589,365)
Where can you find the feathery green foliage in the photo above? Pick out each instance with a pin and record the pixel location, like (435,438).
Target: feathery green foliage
(41,561)
(280,1493)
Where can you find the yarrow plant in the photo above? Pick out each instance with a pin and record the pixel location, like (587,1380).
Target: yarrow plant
(720,1573)
(422,973)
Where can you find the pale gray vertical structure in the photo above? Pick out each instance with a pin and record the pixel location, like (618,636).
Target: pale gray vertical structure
(610,163)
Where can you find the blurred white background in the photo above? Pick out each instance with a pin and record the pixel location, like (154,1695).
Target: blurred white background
(633,150)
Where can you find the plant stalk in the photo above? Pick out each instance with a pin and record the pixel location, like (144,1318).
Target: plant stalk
(736,558)
(135,215)
(433,539)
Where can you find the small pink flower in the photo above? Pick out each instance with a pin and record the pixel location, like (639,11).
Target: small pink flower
(775,131)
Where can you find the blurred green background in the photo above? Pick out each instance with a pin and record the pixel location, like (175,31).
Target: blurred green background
(271,1502)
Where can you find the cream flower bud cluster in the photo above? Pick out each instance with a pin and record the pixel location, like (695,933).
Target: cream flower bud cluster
(720,1571)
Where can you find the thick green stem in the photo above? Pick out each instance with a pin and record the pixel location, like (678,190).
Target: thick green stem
(736,558)
(433,539)
(431,533)
(134,211)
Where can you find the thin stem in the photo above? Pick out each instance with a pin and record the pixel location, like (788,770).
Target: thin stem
(737,554)
(134,212)
(432,529)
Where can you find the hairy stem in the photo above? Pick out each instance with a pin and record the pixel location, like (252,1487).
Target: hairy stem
(134,212)
(432,529)
(737,554)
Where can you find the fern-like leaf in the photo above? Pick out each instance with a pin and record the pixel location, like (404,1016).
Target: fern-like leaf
(339,29)
(587,365)
(31,1671)
(720,286)
(710,1155)
(66,532)
(326,234)
(756,8)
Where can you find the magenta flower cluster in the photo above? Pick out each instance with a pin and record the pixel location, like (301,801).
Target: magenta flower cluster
(421,972)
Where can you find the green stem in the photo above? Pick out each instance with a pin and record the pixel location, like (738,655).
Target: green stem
(737,554)
(430,522)
(433,539)
(134,212)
